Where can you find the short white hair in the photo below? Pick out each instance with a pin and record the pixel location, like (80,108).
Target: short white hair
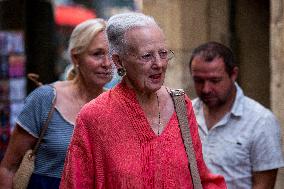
(119,24)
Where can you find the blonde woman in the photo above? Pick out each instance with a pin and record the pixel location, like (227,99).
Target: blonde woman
(91,70)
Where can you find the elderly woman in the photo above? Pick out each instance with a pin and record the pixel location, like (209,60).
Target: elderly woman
(129,136)
(92,69)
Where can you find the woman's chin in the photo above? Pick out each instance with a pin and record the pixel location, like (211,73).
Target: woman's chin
(153,87)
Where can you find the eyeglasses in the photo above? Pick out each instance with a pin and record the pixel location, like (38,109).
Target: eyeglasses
(165,55)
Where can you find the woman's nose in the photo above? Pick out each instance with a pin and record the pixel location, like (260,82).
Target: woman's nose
(107,61)
(158,61)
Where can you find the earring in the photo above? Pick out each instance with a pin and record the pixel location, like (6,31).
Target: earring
(121,72)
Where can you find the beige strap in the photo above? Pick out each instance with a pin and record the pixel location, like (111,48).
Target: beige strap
(34,77)
(180,107)
(44,128)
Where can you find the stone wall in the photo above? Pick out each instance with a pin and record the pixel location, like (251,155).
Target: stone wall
(187,24)
(277,68)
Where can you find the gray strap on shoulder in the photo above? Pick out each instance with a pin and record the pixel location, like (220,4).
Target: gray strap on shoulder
(180,107)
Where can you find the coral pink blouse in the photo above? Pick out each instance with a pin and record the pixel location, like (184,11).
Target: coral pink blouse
(113,146)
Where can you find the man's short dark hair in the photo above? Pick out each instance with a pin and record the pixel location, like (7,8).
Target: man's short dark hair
(211,50)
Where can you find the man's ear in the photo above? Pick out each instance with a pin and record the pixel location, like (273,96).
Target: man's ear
(235,73)
(117,61)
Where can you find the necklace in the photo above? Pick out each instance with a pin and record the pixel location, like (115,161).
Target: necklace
(159,114)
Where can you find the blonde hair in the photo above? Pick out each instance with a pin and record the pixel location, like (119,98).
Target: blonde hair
(81,38)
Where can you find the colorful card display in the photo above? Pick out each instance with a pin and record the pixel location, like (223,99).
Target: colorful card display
(12,83)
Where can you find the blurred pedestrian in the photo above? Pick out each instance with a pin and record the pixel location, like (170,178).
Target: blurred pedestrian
(91,70)
(129,137)
(240,137)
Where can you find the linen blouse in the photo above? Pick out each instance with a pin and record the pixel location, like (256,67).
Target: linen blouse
(113,146)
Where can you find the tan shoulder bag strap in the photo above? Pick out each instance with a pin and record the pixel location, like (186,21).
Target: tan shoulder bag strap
(34,78)
(180,107)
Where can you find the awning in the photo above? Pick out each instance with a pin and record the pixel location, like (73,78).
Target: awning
(66,15)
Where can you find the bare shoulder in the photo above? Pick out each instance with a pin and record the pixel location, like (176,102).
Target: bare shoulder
(63,90)
(64,94)
(62,86)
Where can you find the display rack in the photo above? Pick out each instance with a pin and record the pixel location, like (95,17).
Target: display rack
(12,83)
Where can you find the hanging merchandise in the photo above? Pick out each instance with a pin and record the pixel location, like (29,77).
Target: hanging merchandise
(12,83)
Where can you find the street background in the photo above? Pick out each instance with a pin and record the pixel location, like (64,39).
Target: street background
(34,39)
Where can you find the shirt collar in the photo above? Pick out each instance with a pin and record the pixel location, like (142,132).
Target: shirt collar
(237,109)
(238,106)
